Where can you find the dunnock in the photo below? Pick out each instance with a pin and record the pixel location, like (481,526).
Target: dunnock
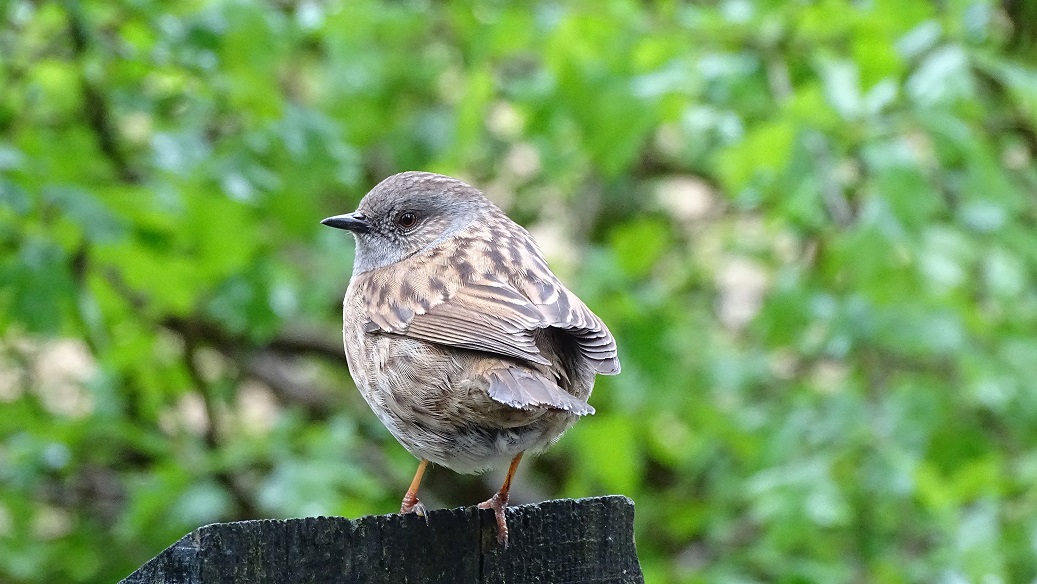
(459,336)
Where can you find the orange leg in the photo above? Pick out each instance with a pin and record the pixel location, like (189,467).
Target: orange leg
(500,500)
(411,504)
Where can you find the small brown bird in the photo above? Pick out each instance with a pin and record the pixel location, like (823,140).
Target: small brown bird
(459,336)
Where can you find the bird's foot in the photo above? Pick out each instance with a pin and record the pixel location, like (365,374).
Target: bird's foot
(498,503)
(411,504)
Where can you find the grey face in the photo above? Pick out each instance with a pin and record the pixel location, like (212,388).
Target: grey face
(408,213)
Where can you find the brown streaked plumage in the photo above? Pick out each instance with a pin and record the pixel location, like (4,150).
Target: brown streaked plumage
(458,335)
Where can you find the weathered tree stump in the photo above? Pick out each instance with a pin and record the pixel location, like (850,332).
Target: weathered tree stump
(572,541)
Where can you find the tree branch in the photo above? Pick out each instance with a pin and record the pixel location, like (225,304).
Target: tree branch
(96,108)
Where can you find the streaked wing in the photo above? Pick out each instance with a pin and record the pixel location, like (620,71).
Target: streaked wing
(483,316)
(484,313)
(561,309)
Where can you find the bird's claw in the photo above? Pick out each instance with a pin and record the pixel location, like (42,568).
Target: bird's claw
(413,505)
(498,503)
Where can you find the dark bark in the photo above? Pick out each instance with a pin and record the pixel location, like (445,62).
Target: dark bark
(574,541)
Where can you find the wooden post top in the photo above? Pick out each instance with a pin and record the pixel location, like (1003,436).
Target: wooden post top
(574,541)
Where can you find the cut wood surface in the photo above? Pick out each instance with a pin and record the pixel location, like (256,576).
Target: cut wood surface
(564,541)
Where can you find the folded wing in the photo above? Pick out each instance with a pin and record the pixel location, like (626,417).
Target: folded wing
(481,311)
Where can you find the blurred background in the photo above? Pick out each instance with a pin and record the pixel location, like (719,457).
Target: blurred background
(812,227)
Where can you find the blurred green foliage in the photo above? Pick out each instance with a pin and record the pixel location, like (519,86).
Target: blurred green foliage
(812,226)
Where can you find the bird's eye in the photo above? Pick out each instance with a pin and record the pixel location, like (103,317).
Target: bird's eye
(407,220)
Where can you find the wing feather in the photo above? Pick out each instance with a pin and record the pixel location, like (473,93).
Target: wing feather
(486,308)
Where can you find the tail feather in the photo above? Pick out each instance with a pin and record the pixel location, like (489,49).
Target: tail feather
(523,389)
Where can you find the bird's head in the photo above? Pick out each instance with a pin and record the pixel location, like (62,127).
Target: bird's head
(408,213)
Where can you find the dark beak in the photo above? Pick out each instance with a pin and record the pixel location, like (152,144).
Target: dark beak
(355,222)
